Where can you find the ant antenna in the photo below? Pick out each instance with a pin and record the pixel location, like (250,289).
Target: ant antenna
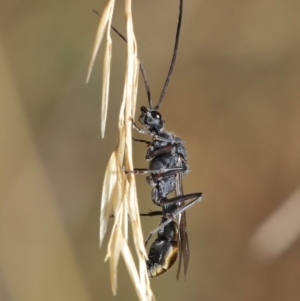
(163,92)
(142,69)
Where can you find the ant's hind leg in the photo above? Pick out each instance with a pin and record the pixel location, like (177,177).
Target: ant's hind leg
(150,213)
(192,198)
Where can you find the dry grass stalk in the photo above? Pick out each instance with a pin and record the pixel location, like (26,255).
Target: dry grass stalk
(119,190)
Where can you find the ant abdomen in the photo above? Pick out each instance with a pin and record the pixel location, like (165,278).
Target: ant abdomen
(163,251)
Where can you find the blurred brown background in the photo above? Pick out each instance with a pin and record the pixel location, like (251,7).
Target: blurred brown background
(233,98)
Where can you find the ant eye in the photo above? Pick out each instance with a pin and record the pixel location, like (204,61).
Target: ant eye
(155,115)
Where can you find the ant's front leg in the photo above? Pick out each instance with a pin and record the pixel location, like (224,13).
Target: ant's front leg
(146,132)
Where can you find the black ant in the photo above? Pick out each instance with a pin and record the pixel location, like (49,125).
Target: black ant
(168,163)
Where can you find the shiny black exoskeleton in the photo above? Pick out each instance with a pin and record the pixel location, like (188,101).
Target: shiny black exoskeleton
(167,156)
(164,250)
(163,152)
(168,163)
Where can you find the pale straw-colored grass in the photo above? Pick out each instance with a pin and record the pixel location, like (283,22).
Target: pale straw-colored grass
(119,189)
(279,231)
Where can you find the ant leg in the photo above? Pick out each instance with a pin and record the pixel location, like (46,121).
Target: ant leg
(158,138)
(159,151)
(148,238)
(169,172)
(181,198)
(140,140)
(160,172)
(146,132)
(194,197)
(137,171)
(186,206)
(152,213)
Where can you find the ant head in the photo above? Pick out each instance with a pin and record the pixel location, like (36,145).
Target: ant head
(151,119)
